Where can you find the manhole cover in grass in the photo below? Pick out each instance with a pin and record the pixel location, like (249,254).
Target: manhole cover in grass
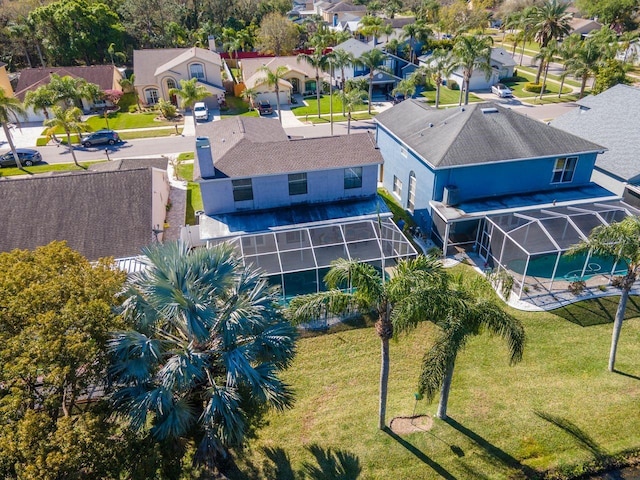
(404,425)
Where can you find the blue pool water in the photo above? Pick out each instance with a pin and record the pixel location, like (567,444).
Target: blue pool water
(569,267)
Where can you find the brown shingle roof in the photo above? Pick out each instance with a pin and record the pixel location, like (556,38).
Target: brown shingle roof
(99,214)
(32,78)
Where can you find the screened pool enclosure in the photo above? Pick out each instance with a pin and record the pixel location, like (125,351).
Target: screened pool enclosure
(297,259)
(531,245)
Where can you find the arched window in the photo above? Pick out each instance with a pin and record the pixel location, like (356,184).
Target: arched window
(196,70)
(151,96)
(411,198)
(171,83)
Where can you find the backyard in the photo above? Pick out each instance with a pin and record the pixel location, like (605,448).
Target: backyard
(557,410)
(447,96)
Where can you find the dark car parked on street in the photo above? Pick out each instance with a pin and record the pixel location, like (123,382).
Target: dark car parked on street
(27,156)
(100,137)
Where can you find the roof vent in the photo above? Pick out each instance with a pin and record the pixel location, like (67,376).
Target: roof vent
(489,110)
(431,125)
(462,109)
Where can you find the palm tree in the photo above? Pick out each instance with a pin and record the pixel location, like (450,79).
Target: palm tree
(550,22)
(405,87)
(190,93)
(341,59)
(415,282)
(250,95)
(233,45)
(318,61)
(441,65)
(67,119)
(545,56)
(10,110)
(566,51)
(350,100)
(372,59)
(418,31)
(471,53)
(273,79)
(621,242)
(469,310)
(372,26)
(42,98)
(584,62)
(206,345)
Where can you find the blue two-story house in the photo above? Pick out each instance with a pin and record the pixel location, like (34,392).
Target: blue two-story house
(292,206)
(515,191)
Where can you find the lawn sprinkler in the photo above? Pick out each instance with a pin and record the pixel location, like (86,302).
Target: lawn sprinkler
(418,396)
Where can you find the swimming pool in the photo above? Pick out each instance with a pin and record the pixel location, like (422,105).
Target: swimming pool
(569,268)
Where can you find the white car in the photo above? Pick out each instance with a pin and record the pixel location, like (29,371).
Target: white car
(501,90)
(201,111)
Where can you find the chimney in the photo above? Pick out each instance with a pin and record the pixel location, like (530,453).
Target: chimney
(212,43)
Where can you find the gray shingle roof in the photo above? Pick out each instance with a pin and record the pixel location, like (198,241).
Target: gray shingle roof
(249,147)
(476,134)
(130,164)
(99,214)
(354,46)
(611,119)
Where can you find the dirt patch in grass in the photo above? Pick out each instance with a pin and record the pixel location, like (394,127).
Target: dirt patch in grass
(405,425)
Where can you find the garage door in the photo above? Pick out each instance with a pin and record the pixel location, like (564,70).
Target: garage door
(271,98)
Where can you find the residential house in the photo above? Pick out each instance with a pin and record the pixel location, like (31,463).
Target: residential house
(107,77)
(631,54)
(514,192)
(157,71)
(112,210)
(583,26)
(299,79)
(502,66)
(611,119)
(292,206)
(5,83)
(342,11)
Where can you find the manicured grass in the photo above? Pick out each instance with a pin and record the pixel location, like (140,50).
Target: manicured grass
(125,120)
(399,213)
(160,132)
(194,197)
(56,167)
(556,409)
(518,83)
(237,106)
(339,118)
(325,106)
(447,96)
(557,78)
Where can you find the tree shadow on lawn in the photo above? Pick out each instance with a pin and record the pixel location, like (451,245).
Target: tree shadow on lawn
(493,451)
(597,311)
(582,438)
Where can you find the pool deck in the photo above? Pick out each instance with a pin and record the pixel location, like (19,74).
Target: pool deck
(539,301)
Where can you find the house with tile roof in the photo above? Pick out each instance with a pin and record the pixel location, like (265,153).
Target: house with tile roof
(610,119)
(299,79)
(291,206)
(107,77)
(159,70)
(112,210)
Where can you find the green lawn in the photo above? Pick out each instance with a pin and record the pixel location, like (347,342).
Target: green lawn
(518,83)
(124,121)
(339,118)
(237,106)
(56,167)
(325,105)
(558,409)
(447,96)
(532,71)
(194,197)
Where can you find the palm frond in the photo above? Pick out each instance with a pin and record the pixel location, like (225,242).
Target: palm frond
(506,326)
(223,416)
(183,370)
(175,420)
(135,356)
(305,308)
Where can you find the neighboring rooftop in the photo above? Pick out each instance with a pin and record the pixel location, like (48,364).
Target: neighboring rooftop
(32,78)
(346,7)
(354,46)
(150,62)
(100,214)
(477,134)
(610,119)
(253,75)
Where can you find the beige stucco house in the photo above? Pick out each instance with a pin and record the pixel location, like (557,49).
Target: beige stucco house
(5,83)
(159,70)
(299,79)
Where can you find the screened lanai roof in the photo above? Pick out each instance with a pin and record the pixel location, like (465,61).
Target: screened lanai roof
(556,229)
(313,247)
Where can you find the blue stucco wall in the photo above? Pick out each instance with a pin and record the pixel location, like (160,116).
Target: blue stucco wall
(479,181)
(272,191)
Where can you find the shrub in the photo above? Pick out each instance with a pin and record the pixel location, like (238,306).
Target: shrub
(435,252)
(167,109)
(453,85)
(133,108)
(577,287)
(127,101)
(532,87)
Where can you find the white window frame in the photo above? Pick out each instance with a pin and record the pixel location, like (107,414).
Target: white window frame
(152,96)
(564,170)
(199,75)
(411,197)
(397,187)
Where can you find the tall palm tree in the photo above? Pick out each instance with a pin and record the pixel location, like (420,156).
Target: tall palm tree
(371,60)
(69,120)
(190,93)
(372,26)
(471,53)
(620,241)
(415,32)
(567,50)
(584,62)
(342,59)
(10,110)
(441,65)
(273,79)
(232,46)
(42,98)
(317,60)
(350,100)
(551,21)
(468,312)
(545,56)
(206,345)
(415,282)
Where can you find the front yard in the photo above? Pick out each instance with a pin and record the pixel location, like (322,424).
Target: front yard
(447,96)
(325,107)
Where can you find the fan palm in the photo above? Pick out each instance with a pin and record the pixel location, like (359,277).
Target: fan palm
(10,110)
(273,79)
(318,61)
(620,241)
(69,120)
(416,279)
(551,21)
(190,93)
(468,311)
(372,59)
(205,349)
(471,53)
